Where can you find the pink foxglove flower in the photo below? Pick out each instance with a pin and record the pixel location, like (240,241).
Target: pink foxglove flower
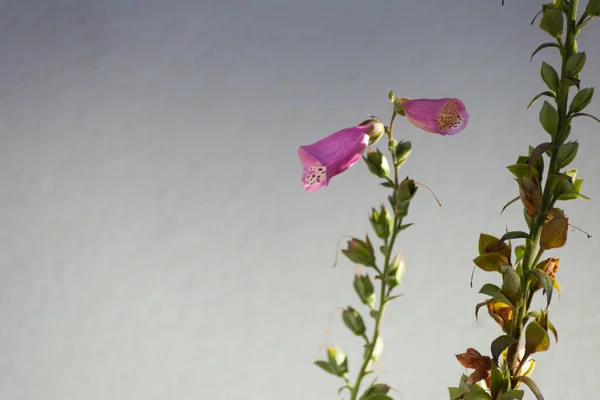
(334,154)
(442,116)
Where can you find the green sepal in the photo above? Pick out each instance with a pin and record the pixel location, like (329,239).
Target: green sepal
(552,22)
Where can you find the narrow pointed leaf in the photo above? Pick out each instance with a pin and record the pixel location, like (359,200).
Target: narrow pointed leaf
(537,153)
(510,203)
(325,366)
(586,115)
(514,235)
(543,46)
(537,97)
(495,292)
(532,386)
(500,344)
(545,281)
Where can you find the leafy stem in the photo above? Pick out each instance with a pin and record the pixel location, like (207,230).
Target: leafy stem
(548,198)
(383,293)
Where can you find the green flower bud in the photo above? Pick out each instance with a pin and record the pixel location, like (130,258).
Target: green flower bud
(353,321)
(381,222)
(396,271)
(403,195)
(377,163)
(402,152)
(364,289)
(360,252)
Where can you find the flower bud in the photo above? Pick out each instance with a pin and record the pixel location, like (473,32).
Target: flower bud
(377,163)
(402,152)
(381,222)
(353,321)
(375,131)
(364,289)
(360,252)
(396,271)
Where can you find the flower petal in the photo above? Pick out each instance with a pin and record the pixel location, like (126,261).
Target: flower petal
(446,116)
(331,156)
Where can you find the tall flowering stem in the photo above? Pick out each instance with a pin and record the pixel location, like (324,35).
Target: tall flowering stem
(336,153)
(527,331)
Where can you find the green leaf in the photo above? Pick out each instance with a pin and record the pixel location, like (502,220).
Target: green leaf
(593,8)
(510,203)
(479,305)
(387,184)
(573,82)
(521,170)
(495,292)
(581,100)
(536,339)
(543,46)
(455,392)
(536,155)
(514,235)
(566,154)
(545,281)
(554,232)
(491,244)
(477,395)
(537,97)
(586,115)
(513,395)
(325,366)
(500,344)
(532,386)
(550,77)
(549,118)
(552,22)
(403,227)
(491,261)
(378,396)
(575,64)
(497,382)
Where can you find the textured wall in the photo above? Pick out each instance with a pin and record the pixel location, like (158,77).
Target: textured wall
(155,242)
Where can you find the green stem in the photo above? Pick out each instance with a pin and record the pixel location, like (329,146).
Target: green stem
(383,295)
(547,195)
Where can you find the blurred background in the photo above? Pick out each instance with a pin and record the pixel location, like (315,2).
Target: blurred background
(155,242)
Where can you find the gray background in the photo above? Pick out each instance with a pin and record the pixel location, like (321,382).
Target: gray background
(155,242)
